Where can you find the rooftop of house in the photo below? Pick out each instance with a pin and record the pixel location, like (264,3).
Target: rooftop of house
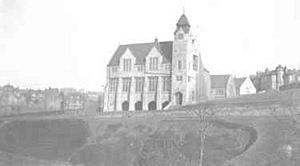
(239,81)
(141,50)
(219,81)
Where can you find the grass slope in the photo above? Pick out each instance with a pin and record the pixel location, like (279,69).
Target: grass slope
(275,134)
(162,142)
(43,139)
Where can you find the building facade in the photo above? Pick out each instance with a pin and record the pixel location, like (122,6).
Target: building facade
(222,86)
(291,76)
(244,86)
(152,76)
(274,79)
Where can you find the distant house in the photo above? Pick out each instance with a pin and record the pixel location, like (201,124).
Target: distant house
(222,86)
(52,99)
(244,86)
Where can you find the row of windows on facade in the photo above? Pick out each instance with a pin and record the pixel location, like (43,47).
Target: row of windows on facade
(180,78)
(220,92)
(195,63)
(139,84)
(153,66)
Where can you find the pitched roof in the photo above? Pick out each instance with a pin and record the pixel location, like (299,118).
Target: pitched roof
(141,50)
(239,81)
(183,21)
(219,81)
(206,70)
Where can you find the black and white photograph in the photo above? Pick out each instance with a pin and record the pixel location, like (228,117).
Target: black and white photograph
(149,83)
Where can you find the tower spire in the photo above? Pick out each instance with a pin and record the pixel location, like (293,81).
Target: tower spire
(183,8)
(183,23)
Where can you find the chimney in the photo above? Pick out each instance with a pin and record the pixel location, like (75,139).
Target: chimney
(156,43)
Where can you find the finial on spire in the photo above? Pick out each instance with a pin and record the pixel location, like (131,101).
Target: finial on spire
(183,8)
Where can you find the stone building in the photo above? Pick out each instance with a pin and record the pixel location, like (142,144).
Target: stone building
(291,76)
(244,86)
(152,76)
(222,86)
(274,79)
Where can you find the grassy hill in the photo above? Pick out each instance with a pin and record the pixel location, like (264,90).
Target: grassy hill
(241,141)
(154,138)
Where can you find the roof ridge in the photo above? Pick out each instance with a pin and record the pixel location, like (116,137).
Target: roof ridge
(141,50)
(144,43)
(221,75)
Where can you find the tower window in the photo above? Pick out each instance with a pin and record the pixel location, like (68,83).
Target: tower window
(193,95)
(179,78)
(195,62)
(180,36)
(179,65)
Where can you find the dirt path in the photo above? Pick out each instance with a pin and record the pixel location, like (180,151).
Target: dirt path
(253,135)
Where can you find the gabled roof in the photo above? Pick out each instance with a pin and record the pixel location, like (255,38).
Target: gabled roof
(183,21)
(206,70)
(140,51)
(239,81)
(219,81)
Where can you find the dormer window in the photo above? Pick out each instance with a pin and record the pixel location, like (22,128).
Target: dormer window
(126,65)
(153,64)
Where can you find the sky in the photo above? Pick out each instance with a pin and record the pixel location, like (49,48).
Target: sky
(68,43)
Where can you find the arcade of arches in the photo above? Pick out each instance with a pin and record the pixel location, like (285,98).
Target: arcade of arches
(138,106)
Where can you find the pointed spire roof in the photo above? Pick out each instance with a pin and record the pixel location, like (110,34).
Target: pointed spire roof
(183,24)
(183,21)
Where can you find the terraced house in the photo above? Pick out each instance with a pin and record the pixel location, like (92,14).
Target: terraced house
(154,75)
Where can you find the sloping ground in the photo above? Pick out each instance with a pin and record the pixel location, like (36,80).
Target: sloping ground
(160,138)
(278,142)
(240,141)
(272,98)
(153,142)
(127,141)
(43,139)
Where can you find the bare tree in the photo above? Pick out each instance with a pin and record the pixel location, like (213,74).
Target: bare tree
(204,116)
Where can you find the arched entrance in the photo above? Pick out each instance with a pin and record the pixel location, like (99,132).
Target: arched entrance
(138,106)
(152,105)
(164,104)
(178,98)
(125,106)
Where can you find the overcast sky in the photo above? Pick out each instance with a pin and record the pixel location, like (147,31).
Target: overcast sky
(68,43)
